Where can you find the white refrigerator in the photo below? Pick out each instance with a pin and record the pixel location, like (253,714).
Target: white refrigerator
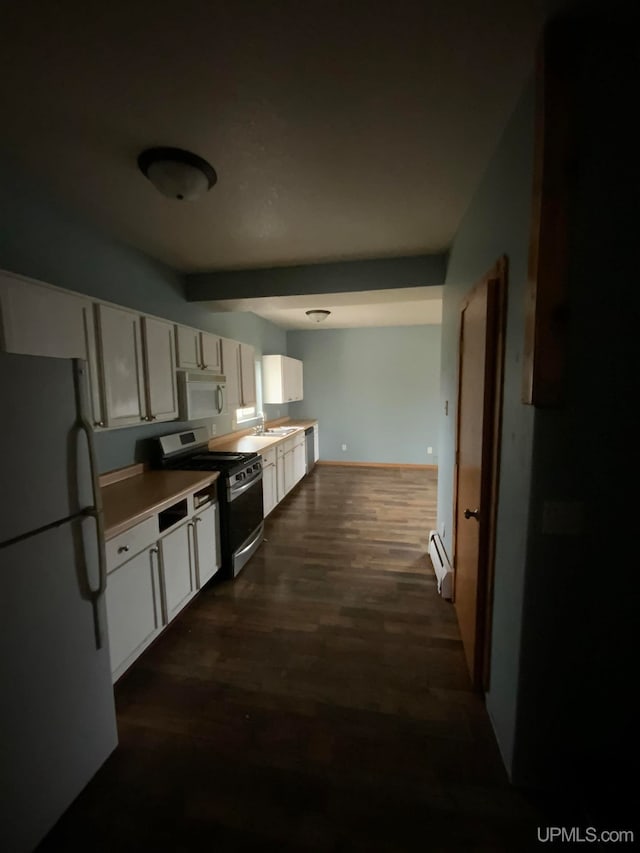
(57,715)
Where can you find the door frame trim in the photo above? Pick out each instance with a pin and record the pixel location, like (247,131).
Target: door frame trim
(497,281)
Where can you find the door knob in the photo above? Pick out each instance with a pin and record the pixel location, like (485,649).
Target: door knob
(472,513)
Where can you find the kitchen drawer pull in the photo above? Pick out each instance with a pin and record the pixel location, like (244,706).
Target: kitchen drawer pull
(123,549)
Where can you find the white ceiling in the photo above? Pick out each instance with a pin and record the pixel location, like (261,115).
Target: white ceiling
(339,128)
(404,306)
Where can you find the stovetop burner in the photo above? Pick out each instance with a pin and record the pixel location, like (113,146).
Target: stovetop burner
(189,451)
(224,456)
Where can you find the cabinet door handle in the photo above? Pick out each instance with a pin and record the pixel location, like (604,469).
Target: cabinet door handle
(197,518)
(123,549)
(98,423)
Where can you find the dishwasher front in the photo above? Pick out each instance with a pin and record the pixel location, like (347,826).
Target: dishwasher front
(308,434)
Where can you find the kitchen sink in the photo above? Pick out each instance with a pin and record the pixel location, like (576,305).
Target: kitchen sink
(280,430)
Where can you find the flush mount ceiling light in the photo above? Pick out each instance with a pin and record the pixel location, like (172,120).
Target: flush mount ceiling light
(176,173)
(317,314)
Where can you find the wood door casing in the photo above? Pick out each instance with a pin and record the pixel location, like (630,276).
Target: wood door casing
(476,477)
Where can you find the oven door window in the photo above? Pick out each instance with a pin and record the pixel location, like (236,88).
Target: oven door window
(245,514)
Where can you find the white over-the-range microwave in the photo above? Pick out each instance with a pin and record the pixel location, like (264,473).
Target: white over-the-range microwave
(201,395)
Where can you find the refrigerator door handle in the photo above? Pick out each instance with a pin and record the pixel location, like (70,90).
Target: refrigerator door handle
(95,511)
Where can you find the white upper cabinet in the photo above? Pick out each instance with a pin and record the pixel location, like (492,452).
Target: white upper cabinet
(132,359)
(281,379)
(159,360)
(122,366)
(37,319)
(231,370)
(210,351)
(188,348)
(197,350)
(239,368)
(137,360)
(248,375)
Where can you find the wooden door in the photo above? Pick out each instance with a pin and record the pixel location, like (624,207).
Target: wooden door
(159,350)
(479,404)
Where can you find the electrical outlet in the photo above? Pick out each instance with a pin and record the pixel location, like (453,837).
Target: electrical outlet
(214,430)
(429,450)
(278,413)
(344,446)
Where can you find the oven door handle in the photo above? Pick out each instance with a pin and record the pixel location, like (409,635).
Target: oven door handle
(236,492)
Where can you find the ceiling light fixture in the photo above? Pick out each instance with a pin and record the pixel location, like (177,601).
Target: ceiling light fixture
(176,173)
(317,314)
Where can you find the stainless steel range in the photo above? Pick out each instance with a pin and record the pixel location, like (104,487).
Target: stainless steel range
(239,492)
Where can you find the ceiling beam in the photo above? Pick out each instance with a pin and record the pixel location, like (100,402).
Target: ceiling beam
(337,277)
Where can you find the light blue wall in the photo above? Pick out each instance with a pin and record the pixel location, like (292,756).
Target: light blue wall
(43,238)
(496,223)
(375,390)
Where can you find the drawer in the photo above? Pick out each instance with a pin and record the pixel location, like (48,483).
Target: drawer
(269,457)
(126,545)
(289,444)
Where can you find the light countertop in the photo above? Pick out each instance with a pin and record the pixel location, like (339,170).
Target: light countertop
(130,501)
(257,443)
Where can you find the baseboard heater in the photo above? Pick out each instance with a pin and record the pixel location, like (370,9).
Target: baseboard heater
(441,565)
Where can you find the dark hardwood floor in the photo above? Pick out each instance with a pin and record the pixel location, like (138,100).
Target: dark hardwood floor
(319,702)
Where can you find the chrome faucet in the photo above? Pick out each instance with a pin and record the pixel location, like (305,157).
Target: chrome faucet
(259,427)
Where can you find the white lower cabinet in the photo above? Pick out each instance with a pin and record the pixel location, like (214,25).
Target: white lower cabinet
(206,544)
(280,490)
(299,459)
(133,608)
(269,488)
(176,571)
(289,475)
(165,572)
